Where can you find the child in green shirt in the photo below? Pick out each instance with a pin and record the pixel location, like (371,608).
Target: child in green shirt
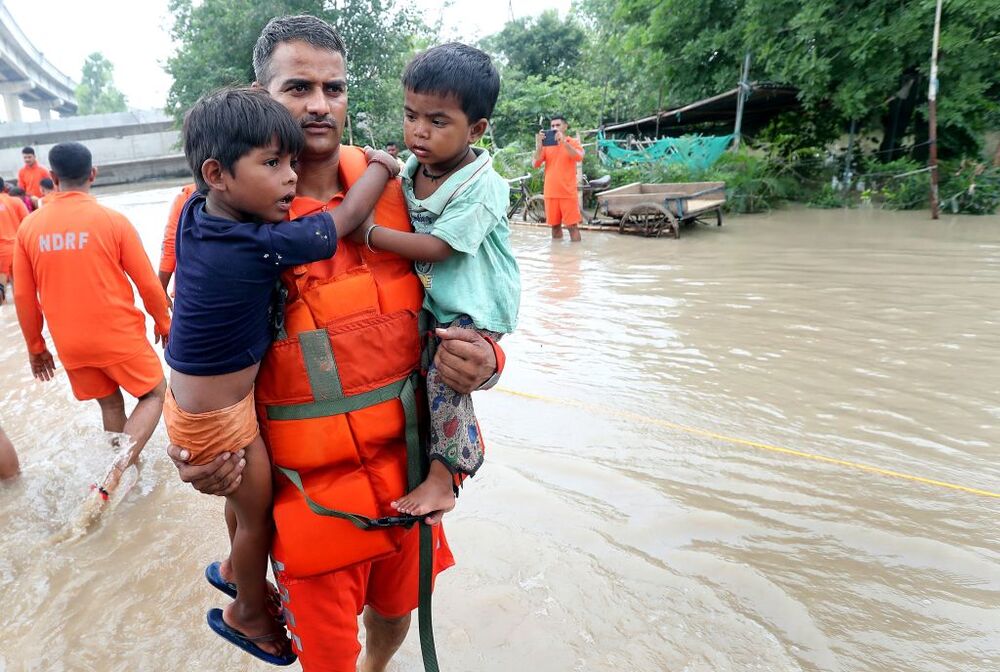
(461,244)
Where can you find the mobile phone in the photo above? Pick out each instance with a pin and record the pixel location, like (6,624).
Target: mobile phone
(550,138)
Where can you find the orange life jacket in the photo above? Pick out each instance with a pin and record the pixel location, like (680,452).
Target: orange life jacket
(328,393)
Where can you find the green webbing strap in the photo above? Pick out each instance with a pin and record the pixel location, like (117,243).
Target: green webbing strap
(320,365)
(322,409)
(359,521)
(415,471)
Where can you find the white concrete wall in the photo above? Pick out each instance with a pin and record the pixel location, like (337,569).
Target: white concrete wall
(104,150)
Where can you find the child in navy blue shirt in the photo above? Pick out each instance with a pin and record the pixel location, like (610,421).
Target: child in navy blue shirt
(232,245)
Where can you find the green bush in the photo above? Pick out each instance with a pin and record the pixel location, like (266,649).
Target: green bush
(829,197)
(891,184)
(970,188)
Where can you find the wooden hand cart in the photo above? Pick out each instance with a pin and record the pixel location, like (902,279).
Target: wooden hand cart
(651,209)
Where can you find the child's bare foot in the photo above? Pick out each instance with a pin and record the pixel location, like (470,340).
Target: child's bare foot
(436,493)
(258,625)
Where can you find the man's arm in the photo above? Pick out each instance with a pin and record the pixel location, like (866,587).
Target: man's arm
(575,153)
(537,160)
(220,477)
(29,314)
(465,360)
(136,265)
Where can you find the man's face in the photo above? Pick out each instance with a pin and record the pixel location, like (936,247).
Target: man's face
(559,125)
(393,150)
(29,160)
(312,84)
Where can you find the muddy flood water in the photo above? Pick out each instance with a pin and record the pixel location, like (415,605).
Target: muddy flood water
(652,498)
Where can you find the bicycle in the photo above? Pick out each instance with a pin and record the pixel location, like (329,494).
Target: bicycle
(531,205)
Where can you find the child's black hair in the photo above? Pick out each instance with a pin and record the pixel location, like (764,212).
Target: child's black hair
(458,70)
(44,183)
(229,123)
(71,162)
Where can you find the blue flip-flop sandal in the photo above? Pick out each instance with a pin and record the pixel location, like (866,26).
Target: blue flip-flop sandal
(214,576)
(249,644)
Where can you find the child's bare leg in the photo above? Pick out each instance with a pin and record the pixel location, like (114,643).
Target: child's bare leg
(436,493)
(251,503)
(226,566)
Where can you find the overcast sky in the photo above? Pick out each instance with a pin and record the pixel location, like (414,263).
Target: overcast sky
(134,35)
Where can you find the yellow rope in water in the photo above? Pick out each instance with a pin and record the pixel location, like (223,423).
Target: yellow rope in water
(614,412)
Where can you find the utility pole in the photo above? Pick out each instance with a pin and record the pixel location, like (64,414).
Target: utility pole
(741,95)
(932,112)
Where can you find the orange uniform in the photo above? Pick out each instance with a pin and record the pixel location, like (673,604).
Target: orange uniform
(168,262)
(30,179)
(561,203)
(12,212)
(72,263)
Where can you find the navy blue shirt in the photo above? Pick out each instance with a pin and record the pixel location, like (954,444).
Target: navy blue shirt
(226,284)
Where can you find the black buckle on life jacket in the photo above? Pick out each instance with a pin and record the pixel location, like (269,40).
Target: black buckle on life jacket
(393,521)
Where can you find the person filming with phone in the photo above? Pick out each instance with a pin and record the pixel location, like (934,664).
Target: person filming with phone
(560,154)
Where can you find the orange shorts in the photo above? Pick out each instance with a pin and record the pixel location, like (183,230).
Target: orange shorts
(322,611)
(137,376)
(207,435)
(562,211)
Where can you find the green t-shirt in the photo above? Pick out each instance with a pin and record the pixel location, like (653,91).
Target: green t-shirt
(469,212)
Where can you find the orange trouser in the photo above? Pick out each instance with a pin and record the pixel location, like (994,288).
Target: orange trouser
(322,611)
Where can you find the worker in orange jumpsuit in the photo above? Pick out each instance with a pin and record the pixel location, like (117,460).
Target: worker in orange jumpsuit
(562,205)
(12,213)
(73,260)
(31,175)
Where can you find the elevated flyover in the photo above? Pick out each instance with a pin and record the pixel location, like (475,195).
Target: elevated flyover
(27,78)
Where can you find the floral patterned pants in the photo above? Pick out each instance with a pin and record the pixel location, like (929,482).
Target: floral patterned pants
(455,439)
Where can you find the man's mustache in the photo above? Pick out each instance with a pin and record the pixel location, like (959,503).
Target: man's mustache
(320,121)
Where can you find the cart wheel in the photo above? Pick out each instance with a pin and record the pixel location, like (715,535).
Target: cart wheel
(534,209)
(648,219)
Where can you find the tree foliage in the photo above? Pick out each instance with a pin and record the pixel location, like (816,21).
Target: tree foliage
(527,102)
(215,46)
(542,46)
(864,60)
(96,93)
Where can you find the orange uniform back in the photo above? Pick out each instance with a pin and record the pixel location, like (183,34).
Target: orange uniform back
(72,262)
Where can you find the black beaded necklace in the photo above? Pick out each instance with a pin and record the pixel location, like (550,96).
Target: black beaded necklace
(434,178)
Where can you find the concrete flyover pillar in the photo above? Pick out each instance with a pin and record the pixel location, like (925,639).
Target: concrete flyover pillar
(45,108)
(13,105)
(10,99)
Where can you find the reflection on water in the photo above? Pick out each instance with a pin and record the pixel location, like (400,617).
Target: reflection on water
(595,541)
